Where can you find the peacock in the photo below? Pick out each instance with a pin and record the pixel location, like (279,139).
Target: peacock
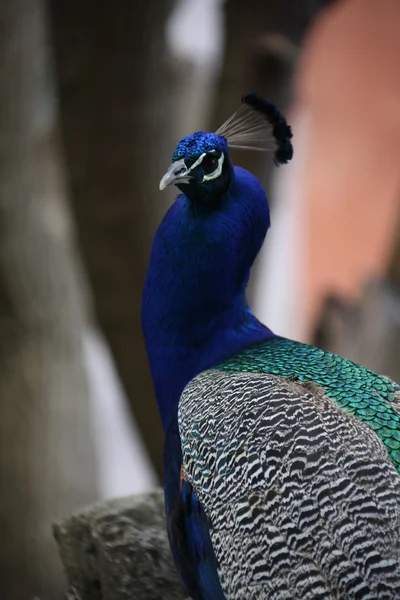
(281,460)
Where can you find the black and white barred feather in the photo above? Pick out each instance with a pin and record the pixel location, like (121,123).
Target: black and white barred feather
(302,498)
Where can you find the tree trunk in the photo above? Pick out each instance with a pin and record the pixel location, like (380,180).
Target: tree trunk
(262,42)
(115,84)
(246,24)
(46,457)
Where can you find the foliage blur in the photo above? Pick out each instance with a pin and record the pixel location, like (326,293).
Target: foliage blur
(93,98)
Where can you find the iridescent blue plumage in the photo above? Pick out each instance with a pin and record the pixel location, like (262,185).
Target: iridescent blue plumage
(272,490)
(194,311)
(192,146)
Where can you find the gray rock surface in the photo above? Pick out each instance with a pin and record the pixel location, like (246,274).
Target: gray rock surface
(118,550)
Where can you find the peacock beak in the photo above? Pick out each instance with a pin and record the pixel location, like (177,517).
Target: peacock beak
(177,173)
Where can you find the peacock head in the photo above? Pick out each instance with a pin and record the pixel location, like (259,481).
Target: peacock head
(201,167)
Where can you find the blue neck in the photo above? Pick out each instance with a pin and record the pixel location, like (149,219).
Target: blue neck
(176,360)
(194,312)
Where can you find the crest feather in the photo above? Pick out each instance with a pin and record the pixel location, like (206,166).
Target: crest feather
(259,125)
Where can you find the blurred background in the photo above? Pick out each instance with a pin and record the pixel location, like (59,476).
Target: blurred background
(93,98)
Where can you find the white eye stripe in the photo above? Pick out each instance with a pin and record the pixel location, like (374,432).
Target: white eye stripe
(198,162)
(212,175)
(217,171)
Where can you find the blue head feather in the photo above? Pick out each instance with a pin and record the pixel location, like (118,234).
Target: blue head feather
(200,154)
(194,311)
(192,146)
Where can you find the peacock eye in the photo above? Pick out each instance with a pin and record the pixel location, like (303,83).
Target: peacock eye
(209,163)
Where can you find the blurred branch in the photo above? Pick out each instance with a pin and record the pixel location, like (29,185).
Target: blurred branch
(119,550)
(367,331)
(47,463)
(394,264)
(116,96)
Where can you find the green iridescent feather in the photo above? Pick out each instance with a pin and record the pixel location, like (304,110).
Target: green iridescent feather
(355,389)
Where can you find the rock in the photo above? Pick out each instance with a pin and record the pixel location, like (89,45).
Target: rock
(118,550)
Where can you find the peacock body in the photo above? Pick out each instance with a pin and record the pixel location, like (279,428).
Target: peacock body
(281,460)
